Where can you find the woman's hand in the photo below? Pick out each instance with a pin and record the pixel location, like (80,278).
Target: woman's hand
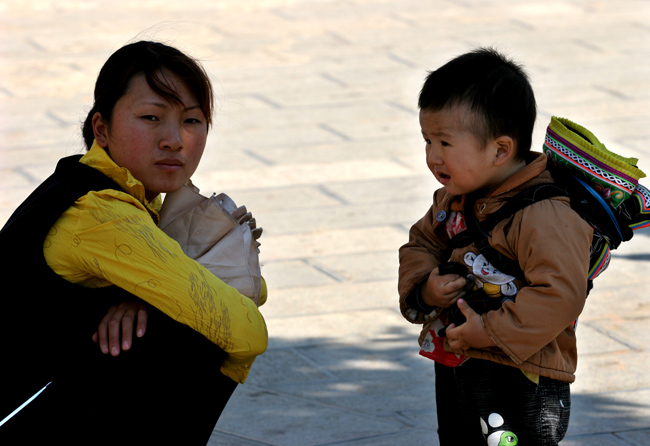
(119,322)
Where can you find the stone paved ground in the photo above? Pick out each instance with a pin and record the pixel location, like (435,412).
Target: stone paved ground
(317,133)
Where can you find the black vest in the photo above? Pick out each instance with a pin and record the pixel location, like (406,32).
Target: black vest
(47,320)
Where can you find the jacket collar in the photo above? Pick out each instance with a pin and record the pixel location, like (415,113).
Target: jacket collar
(535,165)
(99,159)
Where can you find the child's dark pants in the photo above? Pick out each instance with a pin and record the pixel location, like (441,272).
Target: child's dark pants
(483,399)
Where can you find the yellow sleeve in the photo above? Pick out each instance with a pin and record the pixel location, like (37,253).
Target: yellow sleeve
(108,237)
(264,292)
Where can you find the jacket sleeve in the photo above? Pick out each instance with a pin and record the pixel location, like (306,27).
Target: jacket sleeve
(424,251)
(551,243)
(108,237)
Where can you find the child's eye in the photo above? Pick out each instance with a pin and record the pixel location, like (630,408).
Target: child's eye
(444,143)
(428,141)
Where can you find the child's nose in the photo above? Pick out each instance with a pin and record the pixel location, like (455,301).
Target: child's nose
(433,157)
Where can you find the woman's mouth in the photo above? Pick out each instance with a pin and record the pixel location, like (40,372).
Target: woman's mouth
(169,164)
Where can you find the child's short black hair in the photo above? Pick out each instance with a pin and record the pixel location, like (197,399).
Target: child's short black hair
(495,88)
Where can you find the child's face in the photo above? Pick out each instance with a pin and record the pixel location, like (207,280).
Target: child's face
(455,156)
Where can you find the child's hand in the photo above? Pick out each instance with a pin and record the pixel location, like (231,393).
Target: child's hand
(119,321)
(471,334)
(443,291)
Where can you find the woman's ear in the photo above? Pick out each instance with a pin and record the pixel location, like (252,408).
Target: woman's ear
(100,130)
(505,150)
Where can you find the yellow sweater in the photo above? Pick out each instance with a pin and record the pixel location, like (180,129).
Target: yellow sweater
(110,237)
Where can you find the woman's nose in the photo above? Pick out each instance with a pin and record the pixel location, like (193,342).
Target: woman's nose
(172,138)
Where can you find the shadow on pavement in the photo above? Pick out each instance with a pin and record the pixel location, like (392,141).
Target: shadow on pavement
(376,392)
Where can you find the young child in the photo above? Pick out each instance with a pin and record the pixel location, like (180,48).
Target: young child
(502,377)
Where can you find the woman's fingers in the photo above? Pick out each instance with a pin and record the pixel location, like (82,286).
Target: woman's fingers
(115,331)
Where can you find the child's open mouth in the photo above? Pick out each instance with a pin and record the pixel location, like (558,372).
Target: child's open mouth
(442,178)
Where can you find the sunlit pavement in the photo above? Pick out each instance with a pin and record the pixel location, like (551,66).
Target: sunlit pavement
(317,133)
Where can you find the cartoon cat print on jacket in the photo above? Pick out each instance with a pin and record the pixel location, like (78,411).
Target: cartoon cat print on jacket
(484,275)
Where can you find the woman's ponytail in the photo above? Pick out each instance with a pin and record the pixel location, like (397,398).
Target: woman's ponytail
(87,129)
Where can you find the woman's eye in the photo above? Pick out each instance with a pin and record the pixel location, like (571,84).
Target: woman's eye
(149,118)
(193,121)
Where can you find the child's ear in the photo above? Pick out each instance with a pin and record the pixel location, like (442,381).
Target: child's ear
(505,149)
(100,130)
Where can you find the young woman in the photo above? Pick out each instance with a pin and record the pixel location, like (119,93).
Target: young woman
(85,246)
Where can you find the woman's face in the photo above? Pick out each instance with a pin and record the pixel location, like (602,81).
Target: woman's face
(161,143)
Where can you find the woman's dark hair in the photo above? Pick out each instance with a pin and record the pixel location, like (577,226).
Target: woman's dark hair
(494,88)
(148,58)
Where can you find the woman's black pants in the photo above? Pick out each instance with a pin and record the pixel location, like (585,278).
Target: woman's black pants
(168,389)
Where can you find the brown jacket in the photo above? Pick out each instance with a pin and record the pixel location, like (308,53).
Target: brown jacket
(551,243)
